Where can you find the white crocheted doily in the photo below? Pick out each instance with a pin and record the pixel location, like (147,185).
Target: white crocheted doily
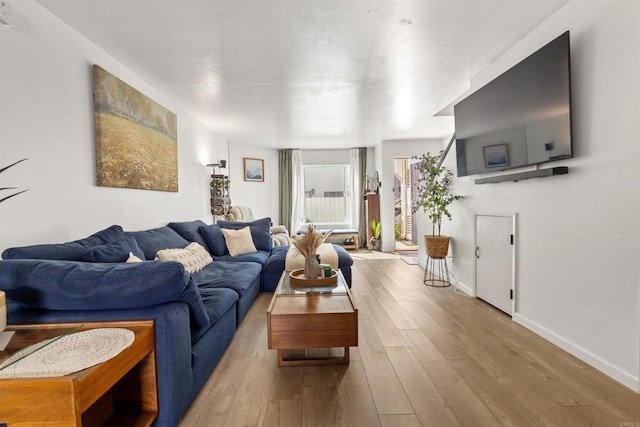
(65,355)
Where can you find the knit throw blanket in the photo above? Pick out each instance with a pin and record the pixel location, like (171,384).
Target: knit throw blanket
(295,260)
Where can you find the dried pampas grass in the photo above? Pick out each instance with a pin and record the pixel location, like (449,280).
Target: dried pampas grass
(309,242)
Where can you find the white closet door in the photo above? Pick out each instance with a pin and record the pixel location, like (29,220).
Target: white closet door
(495,260)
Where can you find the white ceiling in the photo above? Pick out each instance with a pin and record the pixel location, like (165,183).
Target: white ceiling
(309,73)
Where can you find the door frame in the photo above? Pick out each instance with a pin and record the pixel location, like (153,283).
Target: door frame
(514,252)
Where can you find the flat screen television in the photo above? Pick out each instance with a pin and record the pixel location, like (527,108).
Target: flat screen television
(521,118)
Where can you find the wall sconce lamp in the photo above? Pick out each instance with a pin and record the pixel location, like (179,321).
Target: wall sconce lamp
(222,164)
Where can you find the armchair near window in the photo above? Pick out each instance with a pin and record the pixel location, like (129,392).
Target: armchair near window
(240,213)
(279,233)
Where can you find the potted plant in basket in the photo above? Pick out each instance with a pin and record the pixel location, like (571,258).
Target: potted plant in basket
(434,197)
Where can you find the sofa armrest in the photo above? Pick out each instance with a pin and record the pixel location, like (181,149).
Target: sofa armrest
(71,285)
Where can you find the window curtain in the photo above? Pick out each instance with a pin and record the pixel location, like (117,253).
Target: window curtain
(297,192)
(284,187)
(358,162)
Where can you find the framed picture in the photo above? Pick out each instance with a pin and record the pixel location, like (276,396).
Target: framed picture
(496,156)
(136,138)
(253,170)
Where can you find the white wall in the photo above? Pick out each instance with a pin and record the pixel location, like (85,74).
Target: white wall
(261,197)
(46,114)
(577,275)
(325,157)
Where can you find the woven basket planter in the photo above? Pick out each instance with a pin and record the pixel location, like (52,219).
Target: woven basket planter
(437,246)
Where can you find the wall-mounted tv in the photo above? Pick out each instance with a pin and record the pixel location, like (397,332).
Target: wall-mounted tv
(522,117)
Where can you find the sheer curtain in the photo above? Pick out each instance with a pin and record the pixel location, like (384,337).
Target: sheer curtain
(358,163)
(297,192)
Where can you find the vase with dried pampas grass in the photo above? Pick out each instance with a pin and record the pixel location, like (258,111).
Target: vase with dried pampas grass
(307,244)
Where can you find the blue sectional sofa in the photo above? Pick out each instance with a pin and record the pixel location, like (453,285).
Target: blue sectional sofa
(196,314)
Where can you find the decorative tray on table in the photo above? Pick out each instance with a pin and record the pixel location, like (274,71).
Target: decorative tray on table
(297,279)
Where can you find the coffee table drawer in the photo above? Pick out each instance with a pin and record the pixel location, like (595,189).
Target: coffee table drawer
(298,331)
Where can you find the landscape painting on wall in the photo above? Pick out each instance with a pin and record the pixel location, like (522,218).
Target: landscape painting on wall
(253,169)
(136,138)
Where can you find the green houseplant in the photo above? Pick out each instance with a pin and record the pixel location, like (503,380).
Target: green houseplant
(434,197)
(366,179)
(10,188)
(376,226)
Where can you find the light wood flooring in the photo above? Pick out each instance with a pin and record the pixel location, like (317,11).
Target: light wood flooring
(426,356)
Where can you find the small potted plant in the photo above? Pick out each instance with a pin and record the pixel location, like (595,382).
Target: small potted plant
(376,227)
(434,197)
(367,184)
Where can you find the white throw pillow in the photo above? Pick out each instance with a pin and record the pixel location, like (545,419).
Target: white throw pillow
(194,257)
(239,242)
(133,258)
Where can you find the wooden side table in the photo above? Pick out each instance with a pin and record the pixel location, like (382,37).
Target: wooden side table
(121,391)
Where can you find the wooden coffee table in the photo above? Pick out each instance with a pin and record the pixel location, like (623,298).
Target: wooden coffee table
(121,391)
(306,318)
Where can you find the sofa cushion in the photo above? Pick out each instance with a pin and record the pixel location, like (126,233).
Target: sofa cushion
(212,235)
(71,285)
(260,231)
(76,286)
(223,274)
(71,251)
(189,230)
(194,257)
(151,241)
(239,242)
(217,301)
(260,257)
(116,251)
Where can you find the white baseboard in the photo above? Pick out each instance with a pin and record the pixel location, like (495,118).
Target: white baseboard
(464,288)
(586,356)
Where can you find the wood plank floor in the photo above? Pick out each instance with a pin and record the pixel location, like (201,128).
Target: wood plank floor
(426,356)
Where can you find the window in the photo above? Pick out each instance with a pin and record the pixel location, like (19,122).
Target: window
(327,191)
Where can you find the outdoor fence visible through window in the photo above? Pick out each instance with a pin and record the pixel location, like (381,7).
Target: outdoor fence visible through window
(327,192)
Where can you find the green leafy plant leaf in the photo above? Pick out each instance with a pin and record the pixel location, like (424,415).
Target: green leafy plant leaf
(434,189)
(376,226)
(10,188)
